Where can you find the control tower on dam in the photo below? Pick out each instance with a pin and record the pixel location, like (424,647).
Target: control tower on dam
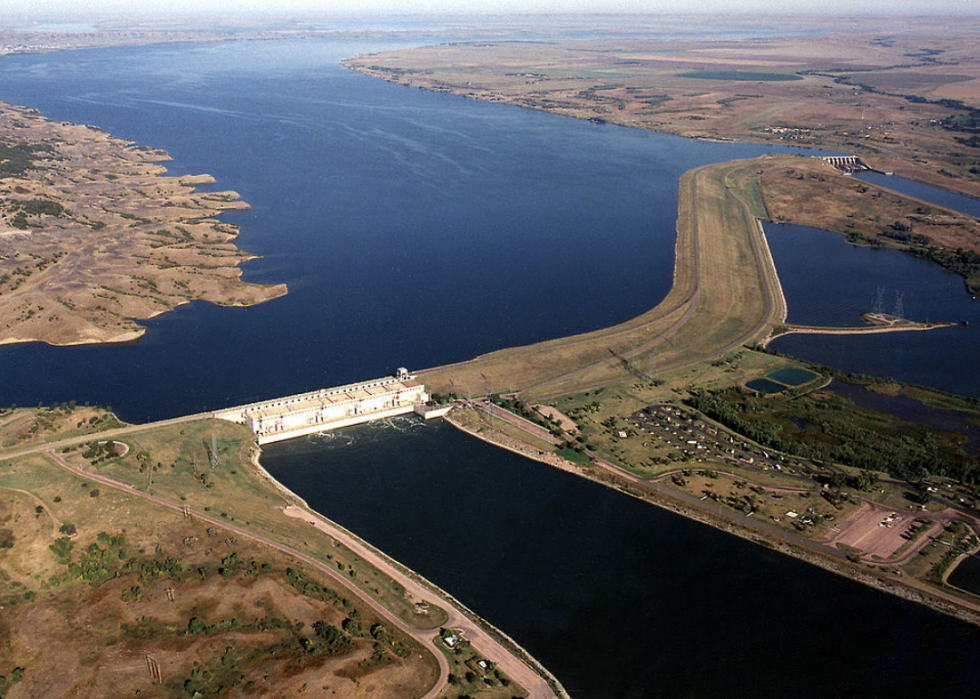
(330,408)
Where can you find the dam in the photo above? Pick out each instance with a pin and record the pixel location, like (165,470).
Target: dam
(330,408)
(845,163)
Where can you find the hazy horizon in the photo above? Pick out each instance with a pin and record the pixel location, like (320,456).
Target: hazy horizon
(47,10)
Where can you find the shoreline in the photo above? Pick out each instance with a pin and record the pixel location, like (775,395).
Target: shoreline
(118,241)
(381,560)
(902,587)
(859,330)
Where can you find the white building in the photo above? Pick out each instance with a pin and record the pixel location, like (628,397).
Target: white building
(327,409)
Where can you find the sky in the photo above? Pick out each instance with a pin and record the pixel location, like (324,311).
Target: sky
(27,9)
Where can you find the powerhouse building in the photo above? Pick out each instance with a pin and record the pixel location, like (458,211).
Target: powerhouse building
(330,408)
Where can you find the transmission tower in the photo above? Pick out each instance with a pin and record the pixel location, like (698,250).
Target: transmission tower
(631,361)
(899,311)
(879,306)
(651,365)
(489,397)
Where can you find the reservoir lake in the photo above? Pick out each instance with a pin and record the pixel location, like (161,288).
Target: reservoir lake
(417,229)
(413,229)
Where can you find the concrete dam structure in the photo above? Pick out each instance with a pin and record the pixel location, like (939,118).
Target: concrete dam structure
(846,163)
(330,408)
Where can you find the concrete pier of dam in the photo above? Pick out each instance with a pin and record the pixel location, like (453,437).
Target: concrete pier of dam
(330,408)
(845,163)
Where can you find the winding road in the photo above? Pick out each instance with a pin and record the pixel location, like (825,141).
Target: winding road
(518,671)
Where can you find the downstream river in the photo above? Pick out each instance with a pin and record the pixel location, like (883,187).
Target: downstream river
(616,597)
(415,229)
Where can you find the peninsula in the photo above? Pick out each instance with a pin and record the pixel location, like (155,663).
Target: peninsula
(94,235)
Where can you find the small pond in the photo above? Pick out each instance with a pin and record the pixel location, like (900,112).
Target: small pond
(966,576)
(765,386)
(792,376)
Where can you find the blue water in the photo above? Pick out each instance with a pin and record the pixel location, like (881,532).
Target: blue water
(412,228)
(934,195)
(845,284)
(792,377)
(765,386)
(966,575)
(616,597)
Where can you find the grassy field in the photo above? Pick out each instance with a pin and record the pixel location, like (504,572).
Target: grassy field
(20,427)
(94,577)
(174,462)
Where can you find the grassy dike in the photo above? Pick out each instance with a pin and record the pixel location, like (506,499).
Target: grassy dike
(726,298)
(725,294)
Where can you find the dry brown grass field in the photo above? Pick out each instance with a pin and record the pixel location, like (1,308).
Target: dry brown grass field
(875,89)
(135,575)
(93,235)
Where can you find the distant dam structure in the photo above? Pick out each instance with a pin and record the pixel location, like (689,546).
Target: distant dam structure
(330,408)
(847,163)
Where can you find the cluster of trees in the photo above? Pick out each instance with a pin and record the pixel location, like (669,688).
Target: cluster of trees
(838,436)
(331,639)
(311,588)
(965,123)
(100,559)
(61,549)
(99,451)
(521,408)
(33,207)
(16,675)
(17,157)
(865,481)
(962,544)
(443,398)
(903,233)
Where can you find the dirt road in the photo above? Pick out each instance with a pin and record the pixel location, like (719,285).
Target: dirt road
(488,646)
